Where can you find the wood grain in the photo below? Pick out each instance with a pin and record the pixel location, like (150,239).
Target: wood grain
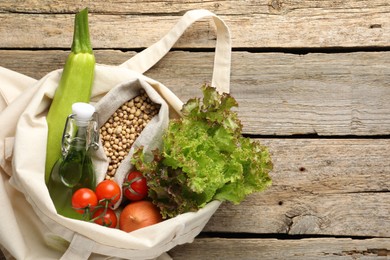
(330,192)
(338,187)
(159,7)
(254,24)
(294,213)
(278,93)
(311,248)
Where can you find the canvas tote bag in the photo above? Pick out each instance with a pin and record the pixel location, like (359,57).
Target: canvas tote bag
(30,228)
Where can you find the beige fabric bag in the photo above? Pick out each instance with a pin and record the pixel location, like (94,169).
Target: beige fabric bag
(30,228)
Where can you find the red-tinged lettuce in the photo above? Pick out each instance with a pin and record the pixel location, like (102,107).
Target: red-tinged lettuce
(204,157)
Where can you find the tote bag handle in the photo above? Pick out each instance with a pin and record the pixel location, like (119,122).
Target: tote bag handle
(146,59)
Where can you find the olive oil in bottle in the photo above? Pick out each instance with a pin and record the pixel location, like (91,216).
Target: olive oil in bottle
(74,170)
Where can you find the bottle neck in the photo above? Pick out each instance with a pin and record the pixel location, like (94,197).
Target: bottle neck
(79,141)
(77,135)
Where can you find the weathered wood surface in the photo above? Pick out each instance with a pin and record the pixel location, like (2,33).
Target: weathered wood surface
(271,23)
(332,187)
(316,69)
(320,248)
(278,93)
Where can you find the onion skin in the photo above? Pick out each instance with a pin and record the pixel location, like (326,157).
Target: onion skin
(139,214)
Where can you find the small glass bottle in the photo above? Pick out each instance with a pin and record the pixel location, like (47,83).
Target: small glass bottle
(74,170)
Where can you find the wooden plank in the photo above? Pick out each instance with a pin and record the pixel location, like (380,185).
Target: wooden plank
(295,213)
(230,7)
(329,166)
(265,24)
(284,94)
(278,93)
(311,248)
(320,186)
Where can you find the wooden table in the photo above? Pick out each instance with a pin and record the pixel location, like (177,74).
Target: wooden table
(312,79)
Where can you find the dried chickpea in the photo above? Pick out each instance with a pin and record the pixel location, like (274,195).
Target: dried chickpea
(123,127)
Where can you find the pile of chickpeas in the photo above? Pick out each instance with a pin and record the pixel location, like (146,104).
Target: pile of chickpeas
(123,127)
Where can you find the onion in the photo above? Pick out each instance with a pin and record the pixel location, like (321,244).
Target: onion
(139,214)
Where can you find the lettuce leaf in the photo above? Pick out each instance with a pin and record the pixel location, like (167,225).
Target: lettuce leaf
(204,157)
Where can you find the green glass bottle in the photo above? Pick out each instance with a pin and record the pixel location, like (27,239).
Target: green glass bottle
(74,170)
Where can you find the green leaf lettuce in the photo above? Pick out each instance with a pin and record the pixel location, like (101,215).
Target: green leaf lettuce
(204,157)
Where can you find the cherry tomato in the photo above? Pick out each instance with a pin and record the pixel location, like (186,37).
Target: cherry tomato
(135,187)
(108,192)
(83,200)
(105,217)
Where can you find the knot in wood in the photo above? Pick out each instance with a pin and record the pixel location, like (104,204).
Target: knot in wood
(275,5)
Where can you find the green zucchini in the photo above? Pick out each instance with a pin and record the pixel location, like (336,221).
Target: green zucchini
(75,86)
